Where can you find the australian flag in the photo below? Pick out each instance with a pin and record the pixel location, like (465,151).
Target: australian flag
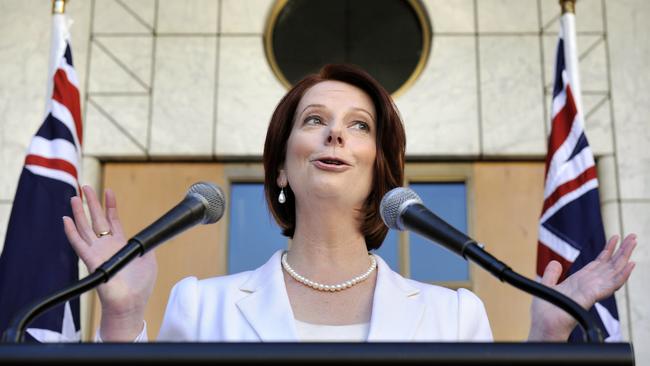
(37,258)
(571,227)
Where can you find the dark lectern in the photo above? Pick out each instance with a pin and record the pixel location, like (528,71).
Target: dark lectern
(554,354)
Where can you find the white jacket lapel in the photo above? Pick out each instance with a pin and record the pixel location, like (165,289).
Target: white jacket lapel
(397,309)
(396,312)
(267,306)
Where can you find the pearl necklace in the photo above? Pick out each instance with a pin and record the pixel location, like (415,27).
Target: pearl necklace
(331,288)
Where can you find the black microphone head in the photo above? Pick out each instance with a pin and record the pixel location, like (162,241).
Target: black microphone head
(213,199)
(394,203)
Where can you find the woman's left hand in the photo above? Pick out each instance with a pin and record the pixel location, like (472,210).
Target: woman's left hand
(594,282)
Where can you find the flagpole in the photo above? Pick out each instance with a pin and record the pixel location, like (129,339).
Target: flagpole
(568,6)
(568,23)
(57,45)
(58,6)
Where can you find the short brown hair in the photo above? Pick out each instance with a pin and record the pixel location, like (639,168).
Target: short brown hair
(389,162)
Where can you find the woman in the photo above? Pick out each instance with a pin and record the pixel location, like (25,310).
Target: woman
(334,146)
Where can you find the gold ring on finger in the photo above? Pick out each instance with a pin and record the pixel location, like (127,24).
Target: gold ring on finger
(104,233)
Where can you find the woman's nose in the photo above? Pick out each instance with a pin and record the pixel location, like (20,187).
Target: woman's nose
(335,136)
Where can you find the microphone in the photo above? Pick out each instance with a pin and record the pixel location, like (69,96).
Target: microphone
(204,203)
(402,209)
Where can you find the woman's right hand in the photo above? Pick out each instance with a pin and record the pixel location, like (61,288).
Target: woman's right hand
(124,297)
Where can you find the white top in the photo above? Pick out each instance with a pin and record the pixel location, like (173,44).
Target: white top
(254,306)
(309,332)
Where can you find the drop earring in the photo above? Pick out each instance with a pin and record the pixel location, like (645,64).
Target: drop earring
(281,197)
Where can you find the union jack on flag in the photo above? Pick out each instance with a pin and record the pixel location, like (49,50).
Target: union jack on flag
(37,258)
(571,227)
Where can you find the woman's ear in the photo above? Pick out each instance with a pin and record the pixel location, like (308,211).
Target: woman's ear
(282,178)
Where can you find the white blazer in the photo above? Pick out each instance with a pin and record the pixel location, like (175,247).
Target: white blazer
(254,306)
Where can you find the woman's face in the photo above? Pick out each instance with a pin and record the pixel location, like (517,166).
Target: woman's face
(331,149)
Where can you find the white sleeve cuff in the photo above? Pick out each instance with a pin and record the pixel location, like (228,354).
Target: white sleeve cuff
(142,337)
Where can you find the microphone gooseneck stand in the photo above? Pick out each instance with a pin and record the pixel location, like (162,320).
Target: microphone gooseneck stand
(504,273)
(187,213)
(15,333)
(419,220)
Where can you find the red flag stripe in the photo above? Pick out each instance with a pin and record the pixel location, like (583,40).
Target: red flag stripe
(570,186)
(58,164)
(562,124)
(545,255)
(67,94)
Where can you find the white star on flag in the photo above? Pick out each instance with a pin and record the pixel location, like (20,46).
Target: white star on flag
(67,335)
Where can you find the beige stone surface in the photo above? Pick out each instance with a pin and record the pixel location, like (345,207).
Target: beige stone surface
(183,97)
(512,119)
(507,16)
(440,109)
(451,16)
(188,16)
(629,36)
(246,97)
(244,16)
(589,16)
(123,17)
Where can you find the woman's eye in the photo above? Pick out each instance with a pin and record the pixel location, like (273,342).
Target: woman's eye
(360,125)
(313,120)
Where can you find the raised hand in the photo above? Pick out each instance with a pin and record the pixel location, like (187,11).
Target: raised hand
(594,282)
(124,297)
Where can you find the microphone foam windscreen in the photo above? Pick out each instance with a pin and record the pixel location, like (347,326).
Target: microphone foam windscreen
(393,203)
(213,196)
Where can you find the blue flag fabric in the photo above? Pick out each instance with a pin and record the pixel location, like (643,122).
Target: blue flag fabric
(37,258)
(571,227)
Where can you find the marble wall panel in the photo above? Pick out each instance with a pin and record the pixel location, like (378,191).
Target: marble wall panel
(451,16)
(629,53)
(12,156)
(622,305)
(511,93)
(132,55)
(24,52)
(183,96)
(639,317)
(24,56)
(128,114)
(592,62)
(79,12)
(91,173)
(123,17)
(188,16)
(607,179)
(246,97)
(632,138)
(549,51)
(507,16)
(110,74)
(440,109)
(143,10)
(598,123)
(589,16)
(636,216)
(610,212)
(247,17)
(105,136)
